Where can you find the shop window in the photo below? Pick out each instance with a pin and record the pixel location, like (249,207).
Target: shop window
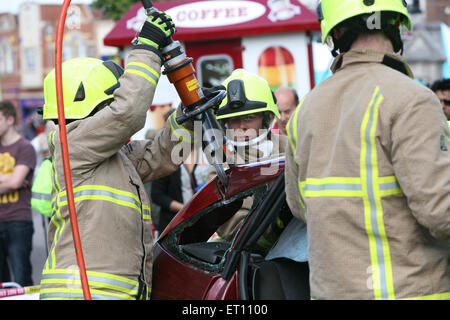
(212,70)
(6,57)
(74,46)
(30,55)
(49,47)
(49,55)
(4,24)
(276,65)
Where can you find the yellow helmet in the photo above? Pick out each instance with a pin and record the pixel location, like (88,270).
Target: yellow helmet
(246,93)
(86,82)
(333,12)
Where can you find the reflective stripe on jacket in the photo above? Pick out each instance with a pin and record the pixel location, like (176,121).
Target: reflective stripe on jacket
(65,284)
(368,170)
(112,205)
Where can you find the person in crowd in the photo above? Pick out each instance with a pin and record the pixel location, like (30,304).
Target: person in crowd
(287,101)
(175,190)
(442,89)
(17,163)
(40,143)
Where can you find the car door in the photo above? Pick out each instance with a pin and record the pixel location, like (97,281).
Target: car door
(188,264)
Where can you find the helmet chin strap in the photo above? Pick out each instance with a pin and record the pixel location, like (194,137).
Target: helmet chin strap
(265,147)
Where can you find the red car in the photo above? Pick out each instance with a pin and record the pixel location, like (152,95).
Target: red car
(189,266)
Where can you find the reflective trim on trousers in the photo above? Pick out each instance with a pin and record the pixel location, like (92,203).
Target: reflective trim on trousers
(77,294)
(125,288)
(436,296)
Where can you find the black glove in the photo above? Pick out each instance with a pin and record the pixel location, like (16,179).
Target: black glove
(157,30)
(211,92)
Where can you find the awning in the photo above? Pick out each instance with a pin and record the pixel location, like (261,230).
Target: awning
(219,19)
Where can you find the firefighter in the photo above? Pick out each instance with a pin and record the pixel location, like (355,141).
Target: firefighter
(104,106)
(368,166)
(246,114)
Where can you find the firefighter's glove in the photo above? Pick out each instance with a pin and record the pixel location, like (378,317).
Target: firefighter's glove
(157,30)
(211,93)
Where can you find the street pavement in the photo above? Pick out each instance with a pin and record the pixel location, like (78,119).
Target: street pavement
(38,256)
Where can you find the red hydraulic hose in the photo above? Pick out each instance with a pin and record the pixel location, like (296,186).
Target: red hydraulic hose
(65,151)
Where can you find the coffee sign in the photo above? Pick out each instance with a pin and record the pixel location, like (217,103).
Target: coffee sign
(215,13)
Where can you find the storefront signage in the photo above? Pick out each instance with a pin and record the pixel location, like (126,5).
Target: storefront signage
(204,14)
(215,13)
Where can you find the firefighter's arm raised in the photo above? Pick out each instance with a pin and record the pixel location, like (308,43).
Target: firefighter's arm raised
(99,137)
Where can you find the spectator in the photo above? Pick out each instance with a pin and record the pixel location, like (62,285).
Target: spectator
(17,162)
(40,143)
(442,90)
(173,191)
(287,101)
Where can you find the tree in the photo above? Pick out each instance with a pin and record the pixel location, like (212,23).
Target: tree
(115,9)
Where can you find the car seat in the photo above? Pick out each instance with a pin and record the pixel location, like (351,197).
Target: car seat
(281,279)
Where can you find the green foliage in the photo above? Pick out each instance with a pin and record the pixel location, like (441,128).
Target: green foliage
(115,9)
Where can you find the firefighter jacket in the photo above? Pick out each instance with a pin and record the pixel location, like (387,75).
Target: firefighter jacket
(368,169)
(112,206)
(229,229)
